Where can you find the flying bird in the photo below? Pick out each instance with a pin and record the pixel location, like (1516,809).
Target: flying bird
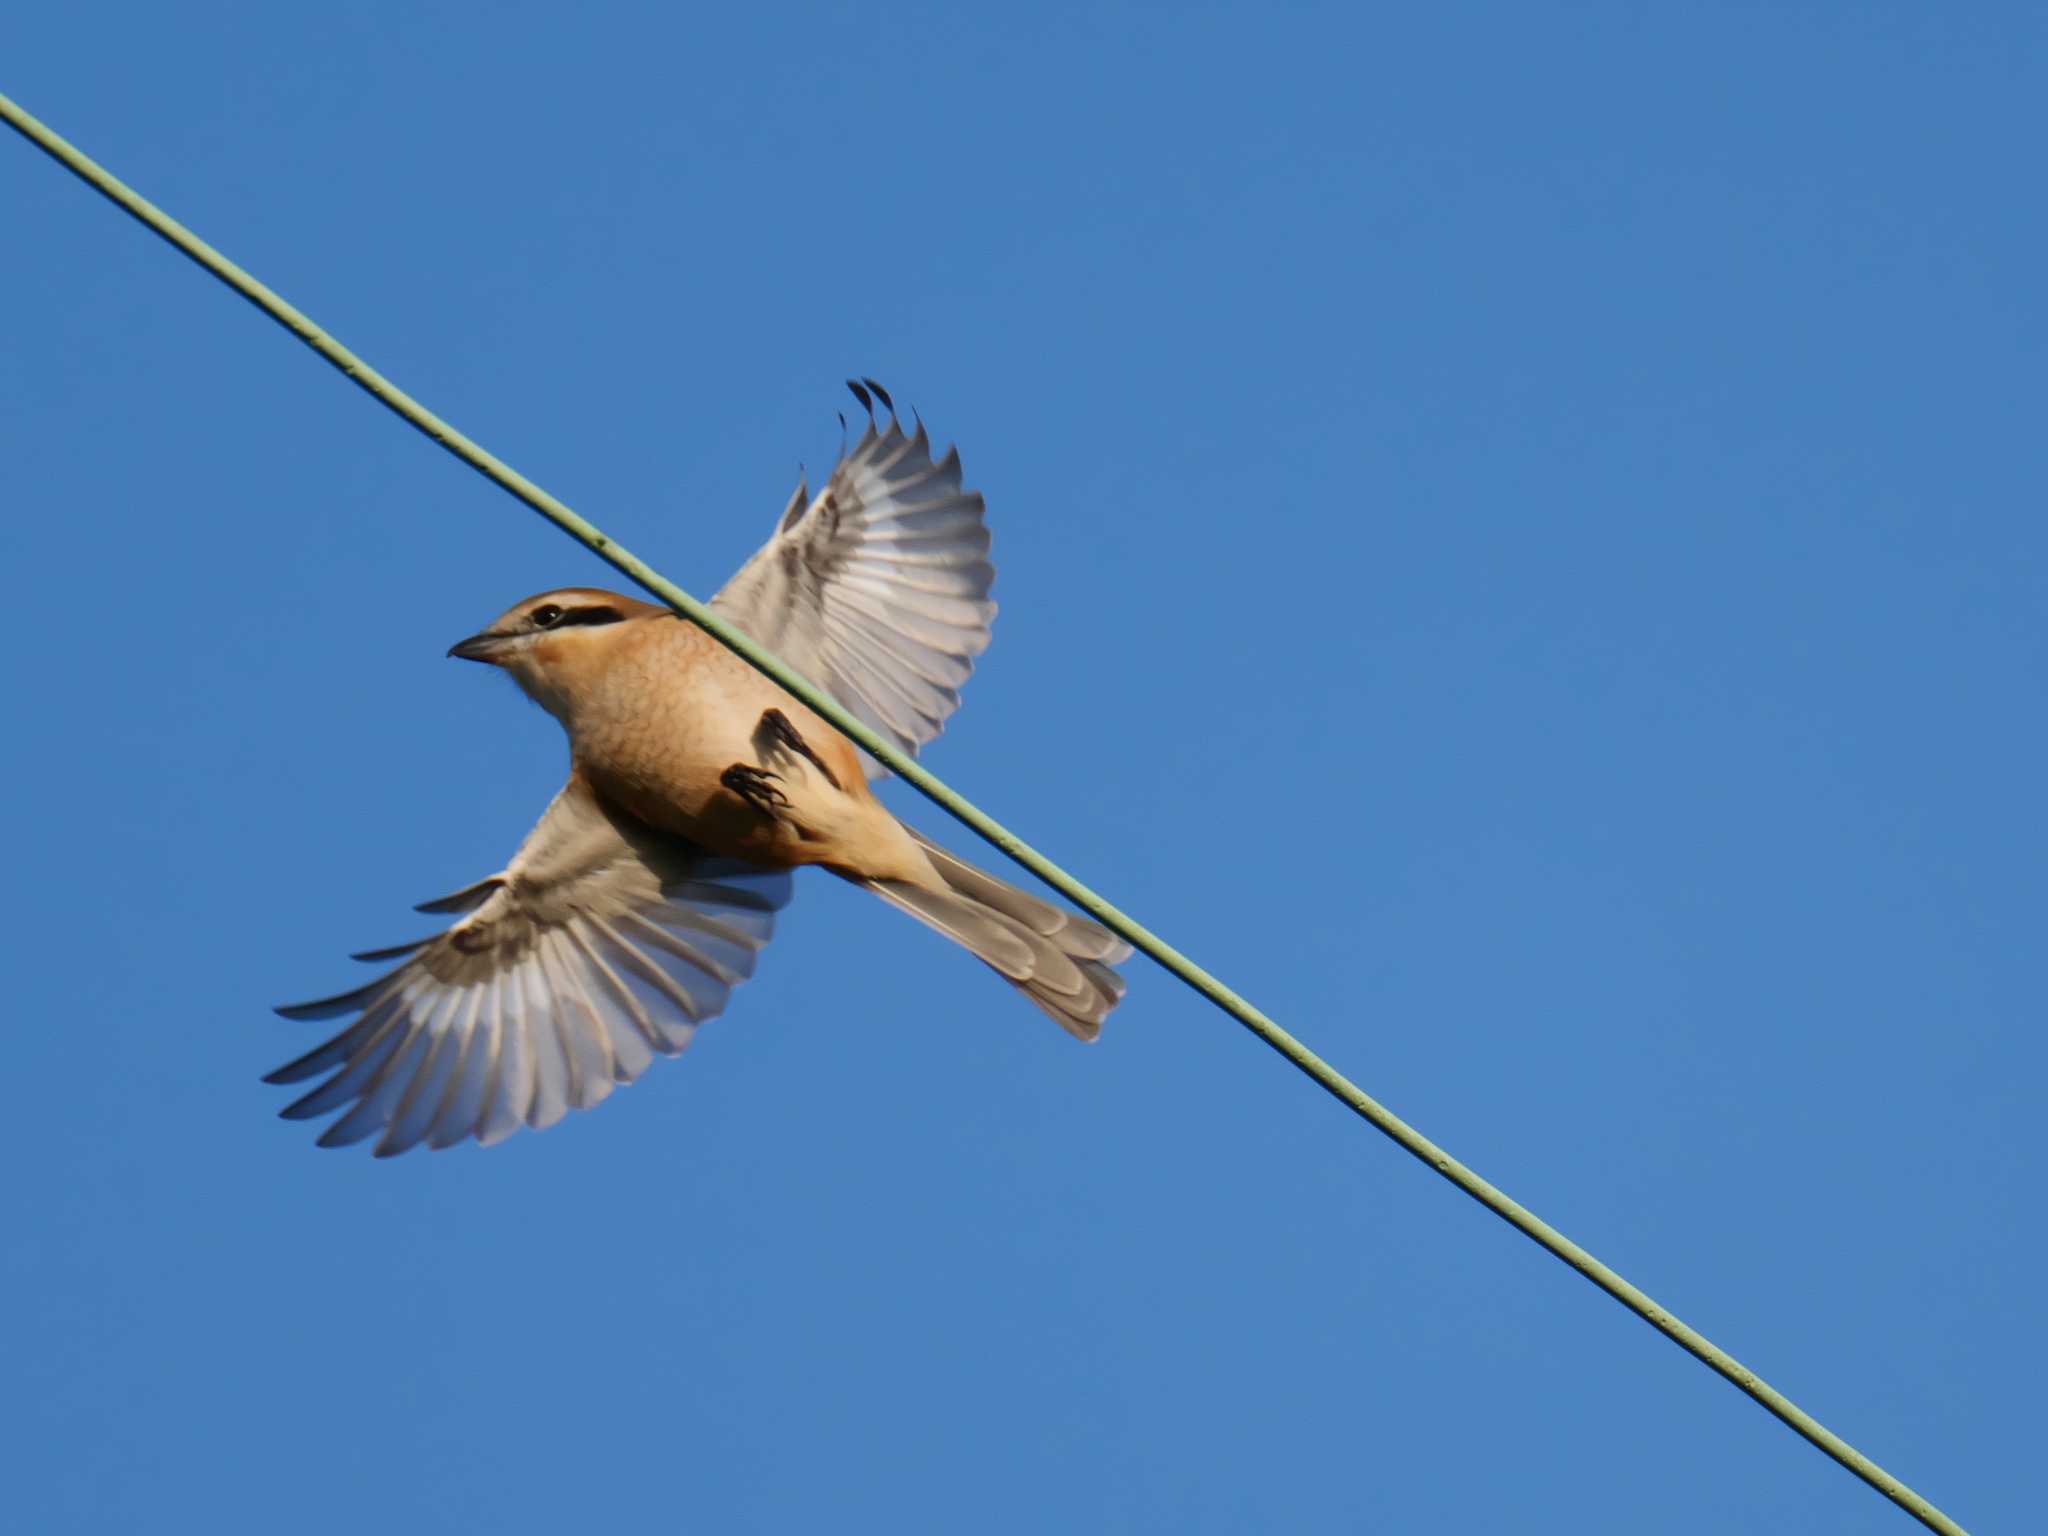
(696,787)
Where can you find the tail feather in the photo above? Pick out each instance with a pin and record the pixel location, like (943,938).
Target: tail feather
(1058,959)
(991,939)
(1077,935)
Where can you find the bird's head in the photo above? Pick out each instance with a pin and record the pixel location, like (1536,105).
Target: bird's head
(558,646)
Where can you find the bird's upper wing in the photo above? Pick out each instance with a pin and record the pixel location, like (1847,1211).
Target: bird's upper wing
(603,944)
(878,590)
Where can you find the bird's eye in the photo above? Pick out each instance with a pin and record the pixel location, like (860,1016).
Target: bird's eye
(544,615)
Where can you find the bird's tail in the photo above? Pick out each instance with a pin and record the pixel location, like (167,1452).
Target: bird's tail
(1058,959)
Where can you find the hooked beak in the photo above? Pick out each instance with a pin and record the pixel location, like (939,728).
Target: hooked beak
(479,647)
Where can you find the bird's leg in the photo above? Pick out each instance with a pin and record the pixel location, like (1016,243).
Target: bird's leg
(776,727)
(754,785)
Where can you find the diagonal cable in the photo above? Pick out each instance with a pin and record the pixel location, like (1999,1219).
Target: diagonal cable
(1307,1061)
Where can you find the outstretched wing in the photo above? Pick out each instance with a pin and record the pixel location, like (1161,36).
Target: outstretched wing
(603,944)
(878,590)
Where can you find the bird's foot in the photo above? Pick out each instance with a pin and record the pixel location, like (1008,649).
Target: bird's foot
(754,785)
(775,725)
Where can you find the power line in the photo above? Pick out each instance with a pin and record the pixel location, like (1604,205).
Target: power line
(1307,1061)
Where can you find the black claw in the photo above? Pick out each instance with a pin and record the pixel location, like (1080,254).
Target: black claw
(775,725)
(882,395)
(754,785)
(861,395)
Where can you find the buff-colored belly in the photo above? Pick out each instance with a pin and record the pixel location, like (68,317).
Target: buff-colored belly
(697,713)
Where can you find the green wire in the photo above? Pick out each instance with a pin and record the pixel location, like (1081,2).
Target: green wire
(1321,1072)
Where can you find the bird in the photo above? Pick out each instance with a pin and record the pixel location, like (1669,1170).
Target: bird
(697,786)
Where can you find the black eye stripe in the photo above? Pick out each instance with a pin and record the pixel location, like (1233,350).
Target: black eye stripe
(589,616)
(549,616)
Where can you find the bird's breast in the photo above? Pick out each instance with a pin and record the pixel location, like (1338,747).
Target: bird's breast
(660,735)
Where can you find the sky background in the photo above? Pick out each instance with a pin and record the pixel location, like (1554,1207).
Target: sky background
(1522,546)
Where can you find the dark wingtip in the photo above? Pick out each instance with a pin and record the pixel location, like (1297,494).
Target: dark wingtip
(860,394)
(467,899)
(319,1008)
(389,952)
(882,395)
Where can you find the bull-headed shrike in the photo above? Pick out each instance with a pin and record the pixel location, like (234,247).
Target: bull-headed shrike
(696,785)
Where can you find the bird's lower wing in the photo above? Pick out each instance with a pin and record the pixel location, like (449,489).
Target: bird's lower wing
(603,944)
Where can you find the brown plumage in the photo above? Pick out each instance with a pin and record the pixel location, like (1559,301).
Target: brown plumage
(696,784)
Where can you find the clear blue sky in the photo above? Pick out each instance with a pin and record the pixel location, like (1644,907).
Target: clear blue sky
(1522,544)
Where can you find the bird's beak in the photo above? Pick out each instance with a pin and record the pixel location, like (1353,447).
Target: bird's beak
(479,647)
